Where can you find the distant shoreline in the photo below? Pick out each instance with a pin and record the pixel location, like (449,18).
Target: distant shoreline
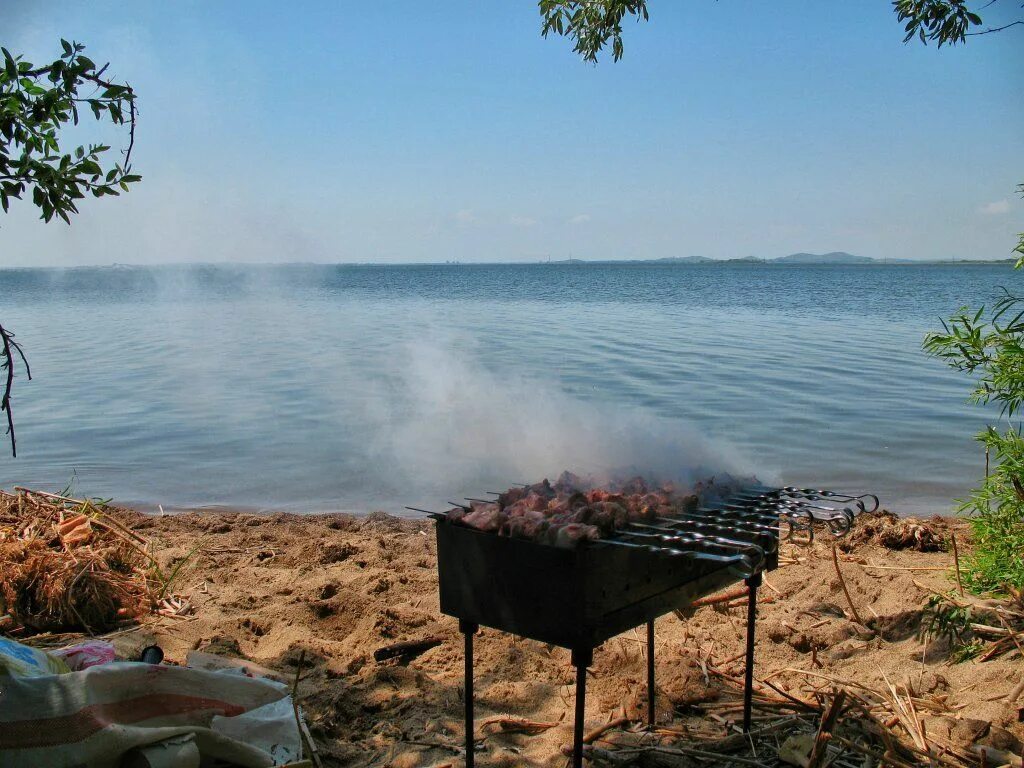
(759,263)
(666,262)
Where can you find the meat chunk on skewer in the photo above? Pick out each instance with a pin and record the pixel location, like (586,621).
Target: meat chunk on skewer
(484,517)
(570,535)
(574,510)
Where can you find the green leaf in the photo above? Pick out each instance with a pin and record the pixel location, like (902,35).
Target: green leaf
(10,65)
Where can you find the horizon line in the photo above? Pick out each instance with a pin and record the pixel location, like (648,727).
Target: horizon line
(677,260)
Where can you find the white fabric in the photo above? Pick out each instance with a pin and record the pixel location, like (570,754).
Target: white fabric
(92,718)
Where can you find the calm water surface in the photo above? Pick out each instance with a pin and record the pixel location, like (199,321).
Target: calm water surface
(311,388)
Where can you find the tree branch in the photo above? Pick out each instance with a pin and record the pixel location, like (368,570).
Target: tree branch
(995,29)
(10,346)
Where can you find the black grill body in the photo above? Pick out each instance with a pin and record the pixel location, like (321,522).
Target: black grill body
(573,598)
(578,598)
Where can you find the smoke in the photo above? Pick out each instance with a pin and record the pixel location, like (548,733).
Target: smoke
(310,388)
(468,424)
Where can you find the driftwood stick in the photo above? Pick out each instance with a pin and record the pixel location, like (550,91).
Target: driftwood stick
(606,756)
(742,740)
(796,700)
(600,731)
(717,757)
(408,649)
(510,724)
(842,582)
(956,562)
(1016,692)
(828,721)
(725,597)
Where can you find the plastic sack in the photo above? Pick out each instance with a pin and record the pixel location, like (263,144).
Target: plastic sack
(87,654)
(95,717)
(22,661)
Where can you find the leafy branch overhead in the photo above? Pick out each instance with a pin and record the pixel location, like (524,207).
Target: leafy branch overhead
(590,24)
(942,21)
(593,24)
(36,103)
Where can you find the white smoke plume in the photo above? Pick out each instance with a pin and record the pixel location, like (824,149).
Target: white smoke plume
(467,424)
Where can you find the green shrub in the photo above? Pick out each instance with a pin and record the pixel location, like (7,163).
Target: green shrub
(990,347)
(997,520)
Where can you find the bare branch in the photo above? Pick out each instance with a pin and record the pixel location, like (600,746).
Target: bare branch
(7,363)
(995,29)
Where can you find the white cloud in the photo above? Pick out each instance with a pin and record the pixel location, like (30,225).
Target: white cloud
(995,208)
(579,218)
(522,221)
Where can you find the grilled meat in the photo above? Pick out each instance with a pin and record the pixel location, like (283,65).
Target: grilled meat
(576,509)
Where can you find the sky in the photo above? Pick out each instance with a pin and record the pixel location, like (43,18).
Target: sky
(405,131)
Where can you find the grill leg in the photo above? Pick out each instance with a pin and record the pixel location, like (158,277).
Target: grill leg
(650,673)
(581,659)
(753,583)
(469,629)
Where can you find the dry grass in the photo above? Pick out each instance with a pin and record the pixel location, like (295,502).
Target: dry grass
(68,564)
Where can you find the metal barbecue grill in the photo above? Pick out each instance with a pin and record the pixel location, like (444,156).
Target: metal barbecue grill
(578,598)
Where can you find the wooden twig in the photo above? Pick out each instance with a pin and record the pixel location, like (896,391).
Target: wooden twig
(842,582)
(798,701)
(828,721)
(407,650)
(905,567)
(597,733)
(725,597)
(510,724)
(956,552)
(314,752)
(1016,692)
(717,757)
(303,730)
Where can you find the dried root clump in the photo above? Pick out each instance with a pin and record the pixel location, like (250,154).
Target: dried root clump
(893,532)
(67,564)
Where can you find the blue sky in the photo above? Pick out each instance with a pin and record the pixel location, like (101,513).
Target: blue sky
(409,131)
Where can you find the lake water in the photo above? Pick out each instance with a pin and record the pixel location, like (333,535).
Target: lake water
(359,387)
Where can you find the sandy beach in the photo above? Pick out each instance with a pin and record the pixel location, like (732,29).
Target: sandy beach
(332,589)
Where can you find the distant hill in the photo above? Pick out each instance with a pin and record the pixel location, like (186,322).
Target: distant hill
(684,260)
(835,257)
